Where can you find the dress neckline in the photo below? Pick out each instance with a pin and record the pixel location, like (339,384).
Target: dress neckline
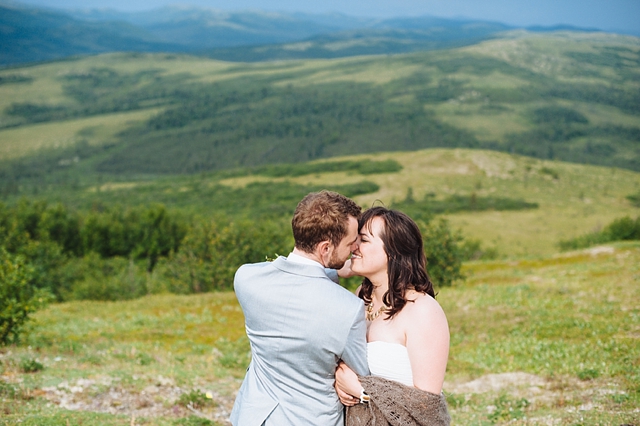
(387,343)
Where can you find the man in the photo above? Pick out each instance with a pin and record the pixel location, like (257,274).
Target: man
(300,322)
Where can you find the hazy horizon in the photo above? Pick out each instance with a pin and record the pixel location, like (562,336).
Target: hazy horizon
(611,15)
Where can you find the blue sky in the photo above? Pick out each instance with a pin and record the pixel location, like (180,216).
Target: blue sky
(616,15)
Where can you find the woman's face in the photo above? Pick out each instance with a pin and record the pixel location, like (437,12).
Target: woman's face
(369,259)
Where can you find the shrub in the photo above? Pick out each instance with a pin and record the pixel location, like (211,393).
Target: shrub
(142,233)
(213,251)
(19,295)
(624,228)
(620,229)
(94,278)
(364,167)
(425,209)
(444,253)
(472,249)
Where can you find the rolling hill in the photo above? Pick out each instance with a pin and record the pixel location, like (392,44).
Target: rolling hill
(34,35)
(29,34)
(564,96)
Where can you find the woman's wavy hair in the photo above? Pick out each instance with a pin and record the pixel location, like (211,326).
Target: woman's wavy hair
(406,264)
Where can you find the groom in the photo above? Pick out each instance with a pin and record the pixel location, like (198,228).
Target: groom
(300,322)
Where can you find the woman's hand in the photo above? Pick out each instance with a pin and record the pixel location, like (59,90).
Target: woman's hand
(346,399)
(347,385)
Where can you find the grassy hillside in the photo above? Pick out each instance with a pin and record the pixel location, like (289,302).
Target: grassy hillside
(391,36)
(36,35)
(572,199)
(563,200)
(533,342)
(571,97)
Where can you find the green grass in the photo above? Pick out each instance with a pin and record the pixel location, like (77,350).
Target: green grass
(22,141)
(560,339)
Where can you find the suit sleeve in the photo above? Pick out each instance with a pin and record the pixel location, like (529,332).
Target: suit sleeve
(355,351)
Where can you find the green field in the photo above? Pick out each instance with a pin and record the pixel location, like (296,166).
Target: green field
(546,341)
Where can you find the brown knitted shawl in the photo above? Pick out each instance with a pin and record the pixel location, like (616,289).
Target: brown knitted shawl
(394,404)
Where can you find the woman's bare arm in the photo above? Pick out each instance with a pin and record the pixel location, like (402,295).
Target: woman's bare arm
(427,332)
(347,385)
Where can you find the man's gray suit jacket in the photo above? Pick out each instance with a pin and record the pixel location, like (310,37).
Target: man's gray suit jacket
(300,323)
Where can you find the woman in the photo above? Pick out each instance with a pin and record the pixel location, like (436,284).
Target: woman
(407,330)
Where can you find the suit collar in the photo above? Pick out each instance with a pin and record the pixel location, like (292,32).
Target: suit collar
(299,268)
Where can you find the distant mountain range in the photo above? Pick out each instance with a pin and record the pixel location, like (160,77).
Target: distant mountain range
(29,34)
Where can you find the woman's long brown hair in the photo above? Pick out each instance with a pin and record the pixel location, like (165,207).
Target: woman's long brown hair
(407,263)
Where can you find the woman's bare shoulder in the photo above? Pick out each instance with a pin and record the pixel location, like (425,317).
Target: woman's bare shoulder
(424,308)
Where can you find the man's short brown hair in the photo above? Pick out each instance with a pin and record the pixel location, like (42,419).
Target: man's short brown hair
(322,216)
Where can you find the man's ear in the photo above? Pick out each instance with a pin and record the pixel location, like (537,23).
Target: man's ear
(323,247)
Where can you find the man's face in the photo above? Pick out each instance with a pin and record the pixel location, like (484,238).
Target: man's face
(342,252)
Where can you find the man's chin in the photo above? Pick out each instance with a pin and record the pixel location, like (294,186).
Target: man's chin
(336,265)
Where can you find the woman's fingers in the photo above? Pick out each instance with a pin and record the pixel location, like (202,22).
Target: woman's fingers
(346,399)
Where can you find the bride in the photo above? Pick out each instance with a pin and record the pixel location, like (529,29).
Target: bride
(407,330)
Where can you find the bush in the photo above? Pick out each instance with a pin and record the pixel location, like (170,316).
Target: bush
(472,249)
(426,208)
(212,252)
(19,295)
(624,228)
(364,167)
(620,229)
(142,233)
(444,252)
(94,278)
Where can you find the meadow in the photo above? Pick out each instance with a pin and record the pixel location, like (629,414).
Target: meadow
(519,143)
(538,336)
(547,341)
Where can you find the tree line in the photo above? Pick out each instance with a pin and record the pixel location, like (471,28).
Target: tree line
(50,253)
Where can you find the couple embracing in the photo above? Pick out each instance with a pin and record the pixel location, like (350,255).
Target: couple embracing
(317,348)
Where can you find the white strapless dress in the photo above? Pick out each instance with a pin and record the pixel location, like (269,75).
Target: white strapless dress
(390,361)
